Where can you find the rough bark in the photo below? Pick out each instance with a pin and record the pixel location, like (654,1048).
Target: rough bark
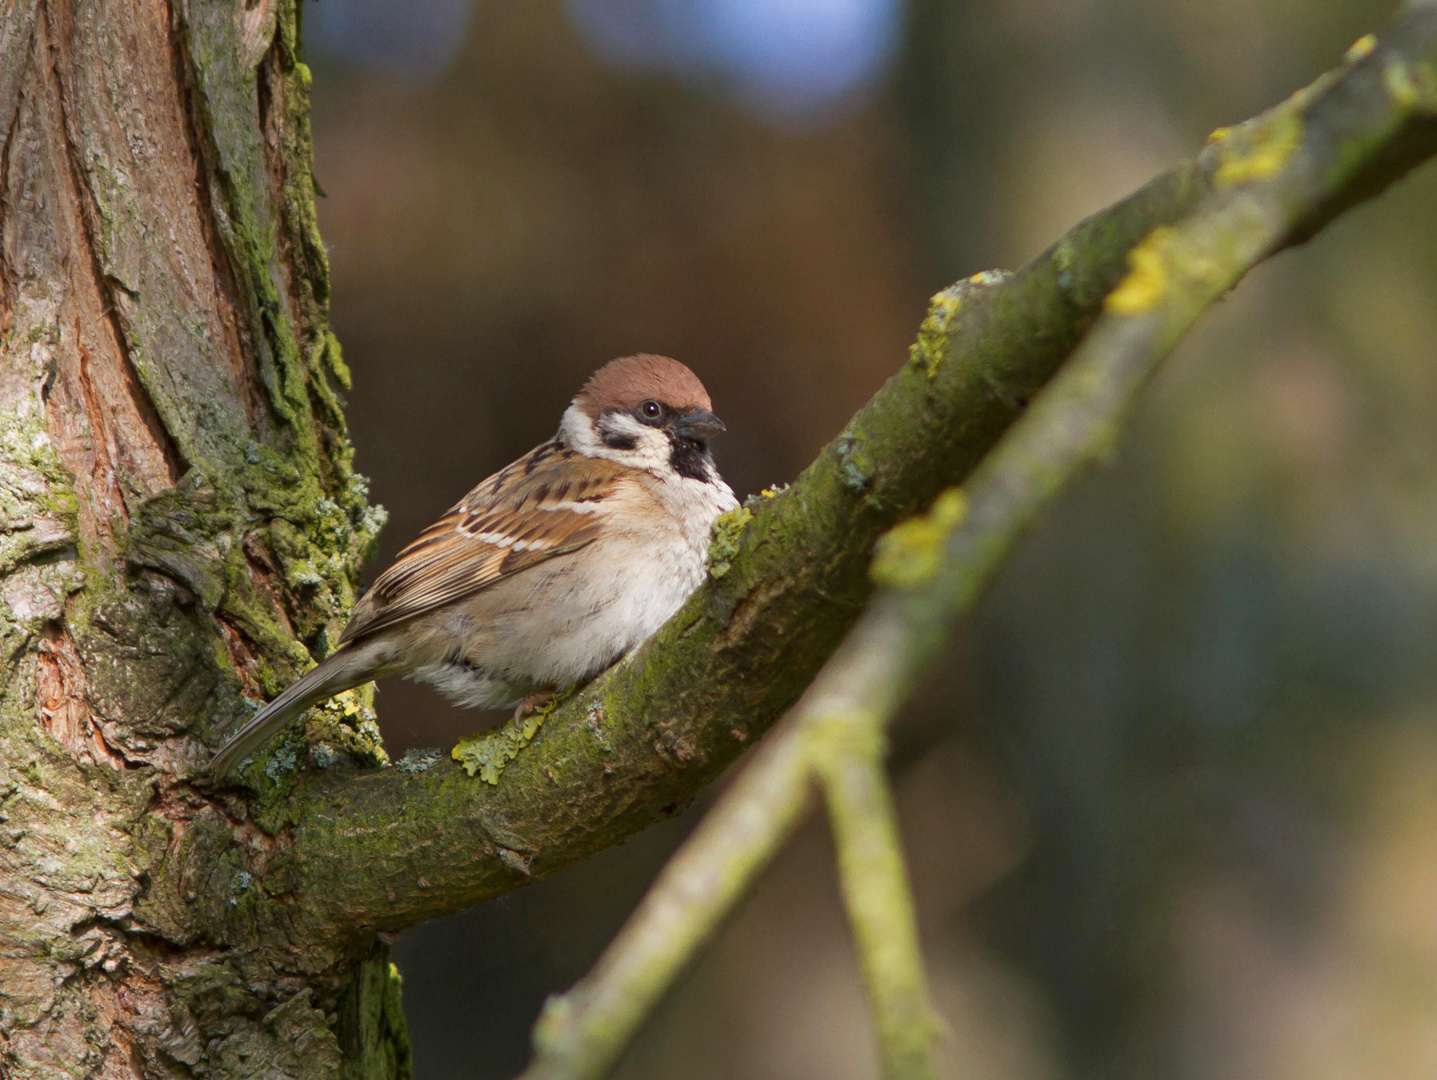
(179,529)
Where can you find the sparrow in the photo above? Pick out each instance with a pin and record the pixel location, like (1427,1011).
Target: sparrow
(549,571)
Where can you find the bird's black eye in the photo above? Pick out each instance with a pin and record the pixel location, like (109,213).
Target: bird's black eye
(651,410)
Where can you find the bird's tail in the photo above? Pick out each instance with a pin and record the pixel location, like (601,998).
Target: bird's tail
(347,668)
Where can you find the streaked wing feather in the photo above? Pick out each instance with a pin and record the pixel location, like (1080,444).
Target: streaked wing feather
(528,512)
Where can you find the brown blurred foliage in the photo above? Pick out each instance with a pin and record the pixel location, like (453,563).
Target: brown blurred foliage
(1171,805)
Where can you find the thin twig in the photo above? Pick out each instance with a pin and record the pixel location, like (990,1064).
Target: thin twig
(876,894)
(585,1030)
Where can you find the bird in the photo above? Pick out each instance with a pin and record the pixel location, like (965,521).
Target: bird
(549,571)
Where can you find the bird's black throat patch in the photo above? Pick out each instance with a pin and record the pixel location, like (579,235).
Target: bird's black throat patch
(689,459)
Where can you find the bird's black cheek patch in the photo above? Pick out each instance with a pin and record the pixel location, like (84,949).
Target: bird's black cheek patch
(618,440)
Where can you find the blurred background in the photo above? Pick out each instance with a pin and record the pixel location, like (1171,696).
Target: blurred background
(1171,801)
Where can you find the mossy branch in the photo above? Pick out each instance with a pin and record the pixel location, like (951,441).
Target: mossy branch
(395,846)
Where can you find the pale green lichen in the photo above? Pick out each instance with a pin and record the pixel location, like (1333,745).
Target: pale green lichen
(910,555)
(38,511)
(594,722)
(485,755)
(282,760)
(418,761)
(323,755)
(855,464)
(723,548)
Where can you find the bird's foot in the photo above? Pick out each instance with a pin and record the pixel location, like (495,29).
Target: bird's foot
(532,702)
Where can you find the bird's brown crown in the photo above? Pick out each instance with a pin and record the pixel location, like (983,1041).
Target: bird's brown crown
(626,382)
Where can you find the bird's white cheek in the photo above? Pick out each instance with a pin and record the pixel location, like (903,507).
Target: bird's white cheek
(577,432)
(650,451)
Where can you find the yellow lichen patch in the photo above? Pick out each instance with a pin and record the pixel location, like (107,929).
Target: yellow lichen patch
(1218,134)
(910,555)
(1261,152)
(988,278)
(1363,46)
(1147,278)
(933,331)
(932,344)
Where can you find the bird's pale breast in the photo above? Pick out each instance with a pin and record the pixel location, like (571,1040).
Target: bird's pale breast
(565,619)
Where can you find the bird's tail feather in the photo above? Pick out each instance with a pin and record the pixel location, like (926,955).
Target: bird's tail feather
(344,670)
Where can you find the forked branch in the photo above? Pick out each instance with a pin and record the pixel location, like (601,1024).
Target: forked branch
(392,847)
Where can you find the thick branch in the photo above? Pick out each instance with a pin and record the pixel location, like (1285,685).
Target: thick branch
(393,847)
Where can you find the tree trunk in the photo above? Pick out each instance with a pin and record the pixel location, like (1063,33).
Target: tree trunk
(178,513)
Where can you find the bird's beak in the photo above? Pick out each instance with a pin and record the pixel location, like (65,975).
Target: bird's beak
(697,424)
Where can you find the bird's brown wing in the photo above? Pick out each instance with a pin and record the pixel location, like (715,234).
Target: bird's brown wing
(544,504)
